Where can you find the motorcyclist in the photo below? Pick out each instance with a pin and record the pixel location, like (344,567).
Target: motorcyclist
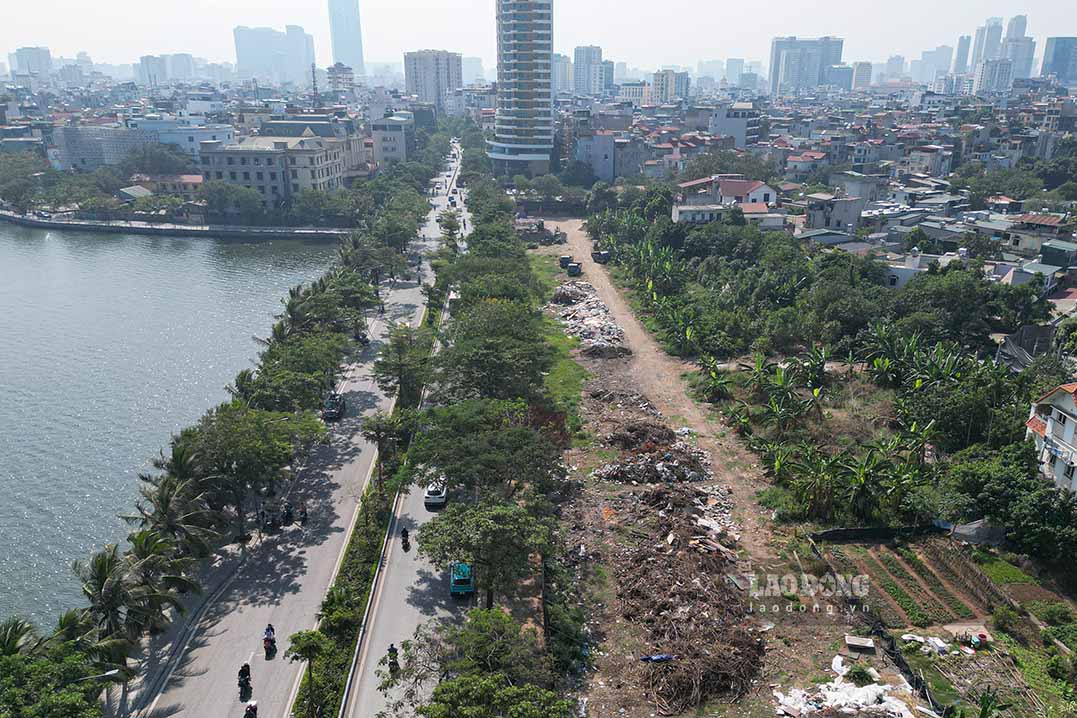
(245,672)
(270,632)
(404,535)
(303,513)
(252,710)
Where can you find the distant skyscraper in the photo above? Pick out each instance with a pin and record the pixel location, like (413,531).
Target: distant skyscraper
(561,70)
(961,62)
(152,71)
(270,55)
(346,34)
(1019,48)
(861,75)
(36,60)
(801,63)
(734,68)
(895,67)
(1017,26)
(1060,59)
(711,68)
(988,44)
(586,77)
(473,71)
(431,73)
(523,128)
(993,76)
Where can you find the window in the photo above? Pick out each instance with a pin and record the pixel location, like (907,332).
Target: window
(1060,418)
(1068,473)
(1052,460)
(190,138)
(231,175)
(295,174)
(292,159)
(893,280)
(231,160)
(766,197)
(258,160)
(273,176)
(262,188)
(258,175)
(247,176)
(295,188)
(243,160)
(220,175)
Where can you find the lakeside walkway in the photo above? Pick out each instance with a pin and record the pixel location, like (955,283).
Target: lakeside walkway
(212,231)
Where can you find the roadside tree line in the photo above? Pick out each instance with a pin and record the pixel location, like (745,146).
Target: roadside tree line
(240,455)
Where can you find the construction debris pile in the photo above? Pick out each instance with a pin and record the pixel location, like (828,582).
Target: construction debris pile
(843,698)
(658,463)
(587,317)
(672,584)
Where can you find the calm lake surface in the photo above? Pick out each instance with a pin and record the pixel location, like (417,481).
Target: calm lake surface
(108,345)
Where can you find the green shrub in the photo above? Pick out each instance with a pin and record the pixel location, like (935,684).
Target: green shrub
(1004,617)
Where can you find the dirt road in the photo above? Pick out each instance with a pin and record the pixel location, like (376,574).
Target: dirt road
(660,377)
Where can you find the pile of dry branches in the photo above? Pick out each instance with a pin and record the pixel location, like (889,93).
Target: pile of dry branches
(674,586)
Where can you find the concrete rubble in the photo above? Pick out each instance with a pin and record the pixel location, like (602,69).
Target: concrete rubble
(587,317)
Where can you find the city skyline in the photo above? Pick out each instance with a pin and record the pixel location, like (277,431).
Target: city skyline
(172,27)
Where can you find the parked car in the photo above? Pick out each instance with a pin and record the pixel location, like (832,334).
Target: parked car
(436,495)
(334,407)
(461,580)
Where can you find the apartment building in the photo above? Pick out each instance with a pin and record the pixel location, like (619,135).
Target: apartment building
(394,138)
(739,120)
(1051,425)
(90,147)
(430,74)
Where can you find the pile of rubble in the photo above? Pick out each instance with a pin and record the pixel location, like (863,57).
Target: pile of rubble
(637,434)
(624,400)
(587,317)
(658,464)
(672,584)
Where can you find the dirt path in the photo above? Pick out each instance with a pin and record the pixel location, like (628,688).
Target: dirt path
(660,377)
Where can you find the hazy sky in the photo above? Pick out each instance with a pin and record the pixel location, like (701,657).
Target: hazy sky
(644,33)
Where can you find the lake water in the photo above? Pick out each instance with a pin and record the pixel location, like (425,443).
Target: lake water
(109,345)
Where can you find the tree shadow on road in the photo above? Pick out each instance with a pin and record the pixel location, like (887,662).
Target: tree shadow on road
(430,594)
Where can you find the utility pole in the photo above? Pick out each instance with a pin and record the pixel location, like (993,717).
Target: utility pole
(314,82)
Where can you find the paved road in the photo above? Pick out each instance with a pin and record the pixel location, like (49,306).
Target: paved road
(410,591)
(285,577)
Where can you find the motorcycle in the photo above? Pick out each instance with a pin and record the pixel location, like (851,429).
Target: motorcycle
(270,646)
(405,540)
(252,710)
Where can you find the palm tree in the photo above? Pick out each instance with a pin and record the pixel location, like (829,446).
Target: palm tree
(17,636)
(175,509)
(158,574)
(107,586)
(308,646)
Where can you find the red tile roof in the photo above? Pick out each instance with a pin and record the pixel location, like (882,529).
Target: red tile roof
(1068,388)
(754,208)
(1037,425)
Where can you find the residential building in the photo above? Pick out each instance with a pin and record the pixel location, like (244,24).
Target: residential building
(669,85)
(961,60)
(430,74)
(800,63)
(610,154)
(394,139)
(1018,47)
(730,189)
(739,120)
(586,69)
(90,147)
(185,186)
(1051,426)
(471,100)
(181,67)
(562,70)
(861,75)
(825,211)
(524,127)
(1060,59)
(186,133)
(275,57)
(993,76)
(346,34)
(341,78)
(278,168)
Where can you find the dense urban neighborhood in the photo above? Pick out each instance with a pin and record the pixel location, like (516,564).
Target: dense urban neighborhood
(746,388)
